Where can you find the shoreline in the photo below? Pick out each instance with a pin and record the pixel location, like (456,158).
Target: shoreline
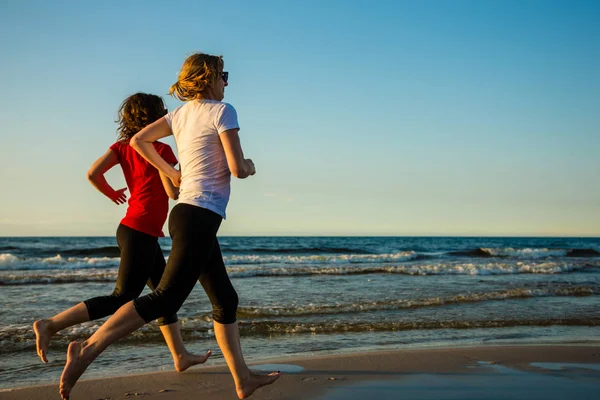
(217,360)
(329,375)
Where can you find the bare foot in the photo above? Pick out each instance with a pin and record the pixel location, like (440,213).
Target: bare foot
(253,382)
(43,334)
(188,360)
(75,367)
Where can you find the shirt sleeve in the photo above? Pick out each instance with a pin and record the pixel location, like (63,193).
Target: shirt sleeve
(165,151)
(116,148)
(226,119)
(170,115)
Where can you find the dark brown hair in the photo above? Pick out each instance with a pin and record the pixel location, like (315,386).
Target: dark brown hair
(198,73)
(136,112)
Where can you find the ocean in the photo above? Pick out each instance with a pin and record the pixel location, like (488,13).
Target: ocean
(314,295)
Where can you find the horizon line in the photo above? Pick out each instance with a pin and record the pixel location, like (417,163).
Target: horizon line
(337,235)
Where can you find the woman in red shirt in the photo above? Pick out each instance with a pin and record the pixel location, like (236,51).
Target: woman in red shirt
(142,260)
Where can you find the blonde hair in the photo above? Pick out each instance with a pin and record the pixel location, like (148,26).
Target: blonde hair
(198,73)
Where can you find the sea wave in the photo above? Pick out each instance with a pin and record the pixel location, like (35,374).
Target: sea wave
(88,272)
(105,251)
(419,269)
(296,250)
(280,327)
(59,276)
(20,337)
(8,248)
(83,258)
(11,262)
(114,251)
(7,259)
(321,259)
(484,252)
(583,253)
(396,304)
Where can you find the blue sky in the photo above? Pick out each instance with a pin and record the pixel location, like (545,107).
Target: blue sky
(363,118)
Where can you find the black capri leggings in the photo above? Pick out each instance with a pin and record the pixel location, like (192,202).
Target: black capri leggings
(195,255)
(142,262)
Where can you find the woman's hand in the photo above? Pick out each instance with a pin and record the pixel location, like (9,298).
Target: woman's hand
(175,177)
(252,168)
(96,177)
(119,197)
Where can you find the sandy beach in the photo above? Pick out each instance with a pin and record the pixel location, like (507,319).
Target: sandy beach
(498,372)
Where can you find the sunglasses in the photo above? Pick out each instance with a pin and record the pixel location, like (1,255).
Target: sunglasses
(225,76)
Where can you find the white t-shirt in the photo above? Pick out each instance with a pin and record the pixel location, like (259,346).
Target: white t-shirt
(205,175)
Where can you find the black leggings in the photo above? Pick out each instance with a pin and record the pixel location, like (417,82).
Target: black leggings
(195,255)
(142,262)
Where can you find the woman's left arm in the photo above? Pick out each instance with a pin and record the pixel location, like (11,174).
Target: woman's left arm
(142,143)
(96,177)
(172,190)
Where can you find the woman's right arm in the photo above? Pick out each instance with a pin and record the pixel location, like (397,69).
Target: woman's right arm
(96,177)
(142,143)
(239,166)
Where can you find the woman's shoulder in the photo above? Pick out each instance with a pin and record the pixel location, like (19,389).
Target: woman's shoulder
(224,108)
(226,105)
(206,110)
(119,145)
(210,103)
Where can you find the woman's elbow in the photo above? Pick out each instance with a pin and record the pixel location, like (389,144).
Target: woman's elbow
(91,175)
(133,142)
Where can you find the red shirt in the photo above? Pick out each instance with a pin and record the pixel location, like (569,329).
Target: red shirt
(148,201)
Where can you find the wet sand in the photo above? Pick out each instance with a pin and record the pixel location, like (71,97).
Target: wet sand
(490,373)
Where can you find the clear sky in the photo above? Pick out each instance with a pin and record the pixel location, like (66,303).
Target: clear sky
(363,117)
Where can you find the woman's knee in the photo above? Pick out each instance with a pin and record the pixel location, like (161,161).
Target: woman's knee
(124,296)
(225,308)
(159,303)
(168,320)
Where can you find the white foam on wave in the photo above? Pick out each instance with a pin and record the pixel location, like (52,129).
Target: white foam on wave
(331,263)
(59,276)
(417,270)
(11,262)
(321,259)
(527,252)
(7,259)
(91,273)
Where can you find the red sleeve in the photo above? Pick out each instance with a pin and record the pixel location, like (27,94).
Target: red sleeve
(116,148)
(165,151)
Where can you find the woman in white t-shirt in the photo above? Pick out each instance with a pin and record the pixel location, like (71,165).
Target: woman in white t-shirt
(206,133)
